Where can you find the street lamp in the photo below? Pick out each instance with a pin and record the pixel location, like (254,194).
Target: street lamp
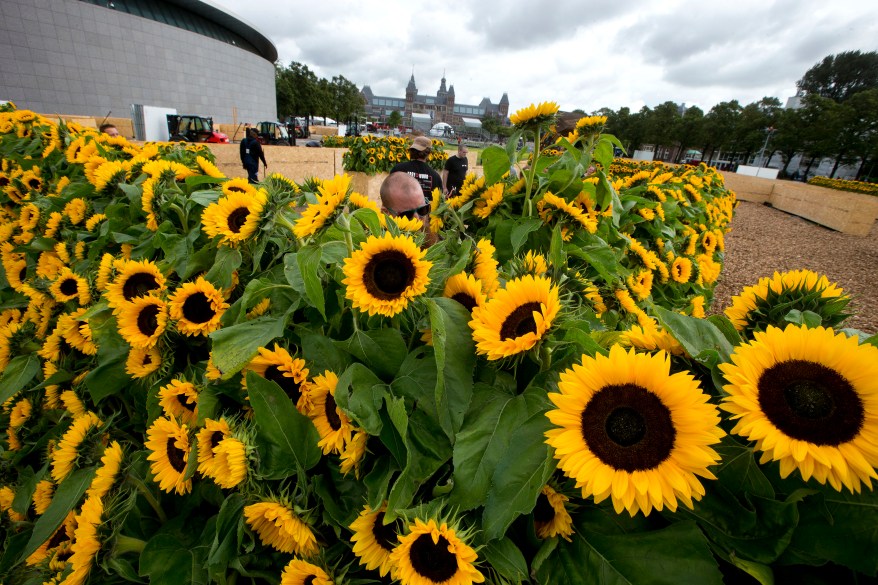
(770,131)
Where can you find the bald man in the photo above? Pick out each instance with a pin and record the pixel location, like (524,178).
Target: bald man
(402,196)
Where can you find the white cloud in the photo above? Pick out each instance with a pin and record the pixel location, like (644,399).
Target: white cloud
(588,55)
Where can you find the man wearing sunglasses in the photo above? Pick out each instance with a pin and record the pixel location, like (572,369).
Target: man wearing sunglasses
(402,196)
(417,166)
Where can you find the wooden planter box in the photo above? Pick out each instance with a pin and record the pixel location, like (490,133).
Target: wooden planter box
(843,211)
(851,213)
(369,185)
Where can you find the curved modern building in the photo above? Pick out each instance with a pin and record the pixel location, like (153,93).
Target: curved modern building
(89,57)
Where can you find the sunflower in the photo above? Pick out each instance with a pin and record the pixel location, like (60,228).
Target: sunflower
(768,301)
(142,321)
(93,221)
(331,197)
(279,527)
(43,494)
(551,517)
(86,541)
(135,278)
(299,572)
(234,217)
(534,114)
(208,168)
(641,284)
(809,399)
(353,453)
(491,198)
(7,496)
(238,186)
(179,399)
(60,539)
(516,318)
(332,424)
(628,429)
(651,338)
(552,204)
(29,216)
(385,274)
(466,290)
(147,200)
(406,224)
(75,210)
(681,269)
(109,173)
(431,554)
(143,361)
(708,269)
(108,472)
(485,267)
(68,286)
(168,443)
(196,307)
(535,263)
(287,372)
(374,540)
(209,437)
(67,453)
(230,462)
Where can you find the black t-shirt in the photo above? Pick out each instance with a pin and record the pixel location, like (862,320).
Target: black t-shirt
(457,168)
(424,173)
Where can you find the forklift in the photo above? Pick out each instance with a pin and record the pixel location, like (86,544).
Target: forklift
(191,128)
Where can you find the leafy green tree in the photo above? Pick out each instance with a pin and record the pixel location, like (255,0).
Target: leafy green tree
(753,127)
(690,130)
(295,86)
(839,77)
(661,126)
(858,128)
(822,122)
(394,119)
(789,136)
(720,125)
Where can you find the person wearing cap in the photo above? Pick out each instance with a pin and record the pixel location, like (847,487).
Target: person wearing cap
(418,168)
(455,171)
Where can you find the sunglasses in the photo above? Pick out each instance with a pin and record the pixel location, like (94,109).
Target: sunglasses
(417,211)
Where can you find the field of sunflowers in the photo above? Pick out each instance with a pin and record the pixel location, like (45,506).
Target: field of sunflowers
(207,381)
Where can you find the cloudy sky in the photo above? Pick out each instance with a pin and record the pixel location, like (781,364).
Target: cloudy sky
(580,54)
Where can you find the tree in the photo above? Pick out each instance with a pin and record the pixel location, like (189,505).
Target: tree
(753,124)
(720,125)
(789,137)
(394,119)
(295,86)
(690,130)
(661,125)
(347,101)
(839,77)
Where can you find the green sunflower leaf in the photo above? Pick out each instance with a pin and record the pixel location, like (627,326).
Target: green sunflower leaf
(673,555)
(66,497)
(382,350)
(455,359)
(697,336)
(520,475)
(360,393)
(308,259)
(521,230)
(286,439)
(165,560)
(18,373)
(234,346)
(506,559)
(495,163)
(227,260)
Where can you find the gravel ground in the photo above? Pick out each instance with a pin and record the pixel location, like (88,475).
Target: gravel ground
(764,240)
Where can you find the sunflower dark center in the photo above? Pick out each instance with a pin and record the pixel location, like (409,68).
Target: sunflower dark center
(4,181)
(811,402)
(138,285)
(176,457)
(385,534)
(628,427)
(215,438)
(625,426)
(187,402)
(520,321)
(57,538)
(388,274)
(69,286)
(146,360)
(433,561)
(466,300)
(309,579)
(287,384)
(34,184)
(237,219)
(23,274)
(236,189)
(544,512)
(147,320)
(331,413)
(197,308)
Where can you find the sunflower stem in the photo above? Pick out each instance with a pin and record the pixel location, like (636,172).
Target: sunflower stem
(147,495)
(126,544)
(529,181)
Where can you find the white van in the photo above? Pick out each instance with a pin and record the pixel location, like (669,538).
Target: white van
(442,129)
